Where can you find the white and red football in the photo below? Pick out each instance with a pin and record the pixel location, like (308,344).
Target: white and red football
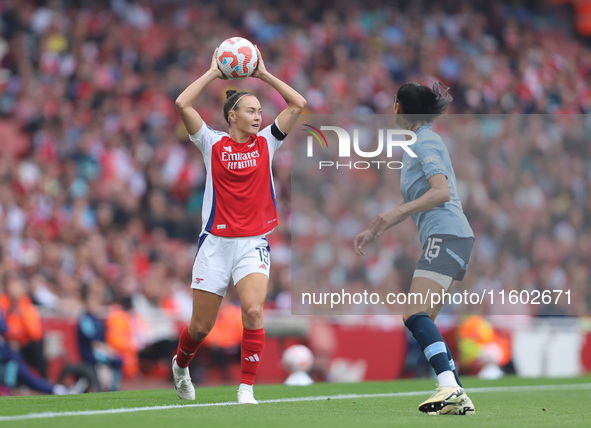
(237,58)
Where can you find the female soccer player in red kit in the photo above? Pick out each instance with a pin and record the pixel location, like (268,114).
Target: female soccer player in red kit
(239,209)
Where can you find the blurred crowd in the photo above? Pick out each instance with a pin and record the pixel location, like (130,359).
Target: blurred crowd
(101,189)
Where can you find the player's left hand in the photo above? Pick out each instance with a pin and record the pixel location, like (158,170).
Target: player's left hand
(361,241)
(261,70)
(375,229)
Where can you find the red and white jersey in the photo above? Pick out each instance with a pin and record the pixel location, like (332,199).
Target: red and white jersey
(239,195)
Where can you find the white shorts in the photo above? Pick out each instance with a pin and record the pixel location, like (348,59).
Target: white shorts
(218,259)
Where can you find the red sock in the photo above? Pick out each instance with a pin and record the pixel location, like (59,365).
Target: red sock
(187,348)
(253,343)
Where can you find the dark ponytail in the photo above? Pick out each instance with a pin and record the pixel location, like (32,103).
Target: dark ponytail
(232,103)
(422,104)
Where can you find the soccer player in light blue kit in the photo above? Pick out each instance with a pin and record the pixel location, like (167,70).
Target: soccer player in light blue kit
(430,197)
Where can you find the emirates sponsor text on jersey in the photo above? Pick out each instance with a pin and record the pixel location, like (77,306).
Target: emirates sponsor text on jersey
(240,160)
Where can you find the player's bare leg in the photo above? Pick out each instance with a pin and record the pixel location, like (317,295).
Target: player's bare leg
(205,311)
(206,306)
(419,318)
(252,291)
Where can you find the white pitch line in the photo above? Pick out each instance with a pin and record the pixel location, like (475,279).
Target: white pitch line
(45,415)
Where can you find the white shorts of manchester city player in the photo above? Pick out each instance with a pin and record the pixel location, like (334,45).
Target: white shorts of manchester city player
(219,259)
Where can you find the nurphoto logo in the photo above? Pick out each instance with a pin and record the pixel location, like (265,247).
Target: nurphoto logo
(386,137)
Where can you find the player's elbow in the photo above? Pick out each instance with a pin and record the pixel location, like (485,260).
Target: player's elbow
(180,104)
(445,195)
(299,104)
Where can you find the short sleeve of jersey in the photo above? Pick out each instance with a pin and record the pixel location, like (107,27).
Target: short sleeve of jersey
(206,137)
(274,137)
(431,159)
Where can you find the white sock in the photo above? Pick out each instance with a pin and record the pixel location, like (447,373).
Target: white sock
(245,386)
(447,378)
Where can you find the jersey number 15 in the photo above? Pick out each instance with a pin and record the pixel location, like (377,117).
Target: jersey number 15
(432,250)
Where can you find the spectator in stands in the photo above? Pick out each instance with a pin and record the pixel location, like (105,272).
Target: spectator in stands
(24,328)
(91,338)
(120,335)
(155,309)
(14,371)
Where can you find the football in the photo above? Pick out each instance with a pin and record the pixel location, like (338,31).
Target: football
(297,358)
(237,58)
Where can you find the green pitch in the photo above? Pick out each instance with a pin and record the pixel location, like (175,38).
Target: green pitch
(509,402)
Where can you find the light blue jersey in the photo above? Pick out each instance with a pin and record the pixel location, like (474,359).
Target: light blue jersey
(432,158)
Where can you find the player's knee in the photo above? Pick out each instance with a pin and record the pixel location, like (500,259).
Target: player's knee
(418,311)
(198,330)
(253,314)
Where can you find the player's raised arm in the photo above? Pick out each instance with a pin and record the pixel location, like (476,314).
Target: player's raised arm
(295,102)
(184,102)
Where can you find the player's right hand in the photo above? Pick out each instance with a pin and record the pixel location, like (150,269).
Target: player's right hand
(214,66)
